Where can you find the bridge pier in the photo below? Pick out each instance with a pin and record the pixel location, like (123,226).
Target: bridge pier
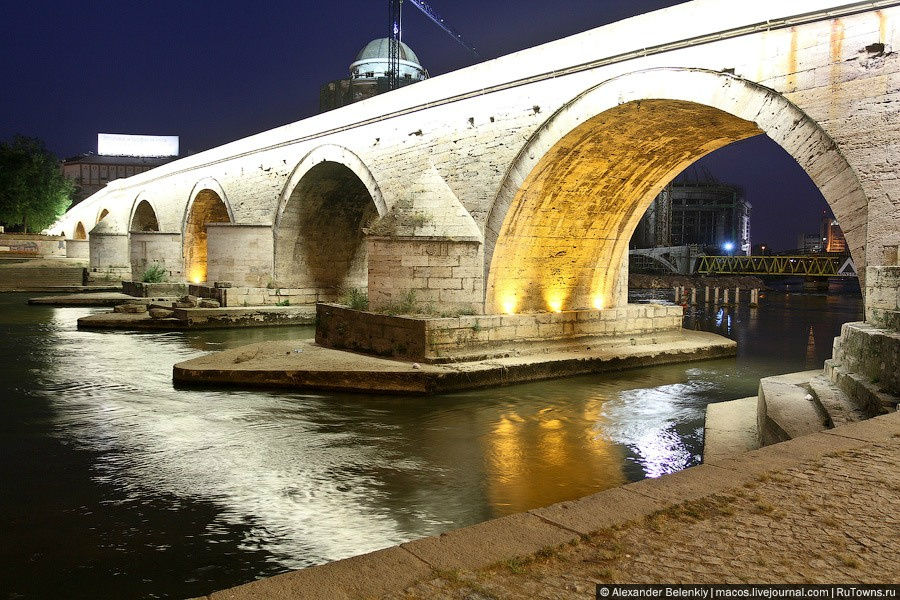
(108,252)
(78,249)
(156,247)
(427,253)
(251,266)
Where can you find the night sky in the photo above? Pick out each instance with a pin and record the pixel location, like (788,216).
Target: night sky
(214,72)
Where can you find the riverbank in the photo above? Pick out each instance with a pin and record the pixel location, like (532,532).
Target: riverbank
(641,281)
(830,500)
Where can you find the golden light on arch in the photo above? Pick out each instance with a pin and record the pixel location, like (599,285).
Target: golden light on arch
(509,302)
(566,231)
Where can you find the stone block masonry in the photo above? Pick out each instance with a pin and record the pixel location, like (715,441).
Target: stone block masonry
(440,340)
(438,274)
(154,247)
(242,254)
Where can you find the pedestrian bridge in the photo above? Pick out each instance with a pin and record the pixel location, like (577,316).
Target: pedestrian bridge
(515,185)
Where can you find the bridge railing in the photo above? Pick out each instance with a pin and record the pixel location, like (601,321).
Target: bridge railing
(801,266)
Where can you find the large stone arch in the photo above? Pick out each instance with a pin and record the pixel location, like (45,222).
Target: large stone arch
(328,200)
(207,204)
(558,230)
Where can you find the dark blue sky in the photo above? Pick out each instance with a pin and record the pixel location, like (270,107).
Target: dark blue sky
(211,72)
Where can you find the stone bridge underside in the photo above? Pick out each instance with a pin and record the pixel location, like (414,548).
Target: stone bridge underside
(515,185)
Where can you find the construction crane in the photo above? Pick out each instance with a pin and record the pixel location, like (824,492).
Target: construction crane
(396,17)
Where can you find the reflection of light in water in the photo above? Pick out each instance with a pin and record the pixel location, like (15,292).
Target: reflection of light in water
(546,456)
(253,454)
(811,359)
(646,421)
(719,316)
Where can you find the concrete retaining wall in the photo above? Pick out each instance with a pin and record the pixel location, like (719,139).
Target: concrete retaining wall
(26,244)
(446,339)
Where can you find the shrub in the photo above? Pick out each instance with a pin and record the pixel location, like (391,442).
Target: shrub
(154,273)
(357,299)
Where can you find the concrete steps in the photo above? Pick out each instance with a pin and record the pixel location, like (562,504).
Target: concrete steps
(786,410)
(838,407)
(797,404)
(863,392)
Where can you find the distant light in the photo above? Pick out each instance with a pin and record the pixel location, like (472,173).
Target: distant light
(728,246)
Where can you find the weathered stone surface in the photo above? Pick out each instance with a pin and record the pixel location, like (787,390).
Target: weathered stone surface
(206,303)
(161,313)
(450,339)
(130,308)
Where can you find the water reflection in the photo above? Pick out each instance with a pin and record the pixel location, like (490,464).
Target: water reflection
(162,492)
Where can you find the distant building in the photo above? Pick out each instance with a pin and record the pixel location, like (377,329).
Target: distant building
(696,209)
(810,243)
(369,75)
(833,236)
(117,156)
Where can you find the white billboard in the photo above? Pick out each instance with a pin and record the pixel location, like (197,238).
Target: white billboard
(120,144)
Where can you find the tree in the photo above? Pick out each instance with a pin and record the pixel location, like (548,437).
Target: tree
(33,191)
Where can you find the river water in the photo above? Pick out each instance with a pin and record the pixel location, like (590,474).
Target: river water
(114,484)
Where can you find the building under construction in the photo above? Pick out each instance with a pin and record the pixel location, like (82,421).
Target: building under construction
(697,209)
(370,75)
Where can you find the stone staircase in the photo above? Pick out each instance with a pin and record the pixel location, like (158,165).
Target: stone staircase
(860,380)
(798,404)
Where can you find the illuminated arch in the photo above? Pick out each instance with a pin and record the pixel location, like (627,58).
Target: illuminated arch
(101,215)
(207,204)
(559,228)
(80,233)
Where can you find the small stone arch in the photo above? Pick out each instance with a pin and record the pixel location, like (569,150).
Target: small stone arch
(207,204)
(327,202)
(79,233)
(143,215)
(558,230)
(101,215)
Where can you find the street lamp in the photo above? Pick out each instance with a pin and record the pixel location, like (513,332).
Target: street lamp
(728,247)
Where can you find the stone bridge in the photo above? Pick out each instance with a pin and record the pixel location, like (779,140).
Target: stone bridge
(514,186)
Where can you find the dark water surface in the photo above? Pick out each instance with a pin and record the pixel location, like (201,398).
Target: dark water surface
(113,484)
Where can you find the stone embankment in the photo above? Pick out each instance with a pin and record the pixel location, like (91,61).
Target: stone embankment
(817,509)
(41,275)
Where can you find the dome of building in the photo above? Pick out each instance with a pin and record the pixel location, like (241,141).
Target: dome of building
(373,61)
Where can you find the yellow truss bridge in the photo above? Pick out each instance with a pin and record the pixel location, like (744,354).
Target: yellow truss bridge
(797,266)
